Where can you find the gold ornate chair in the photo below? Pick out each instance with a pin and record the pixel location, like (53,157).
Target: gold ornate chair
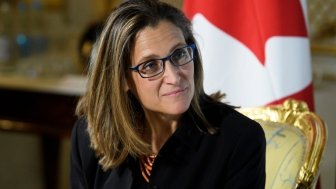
(296,139)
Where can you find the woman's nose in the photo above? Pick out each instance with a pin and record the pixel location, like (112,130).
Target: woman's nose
(171,73)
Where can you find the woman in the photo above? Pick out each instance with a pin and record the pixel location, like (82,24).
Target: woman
(145,121)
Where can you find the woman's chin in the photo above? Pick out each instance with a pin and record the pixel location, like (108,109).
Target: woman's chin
(176,110)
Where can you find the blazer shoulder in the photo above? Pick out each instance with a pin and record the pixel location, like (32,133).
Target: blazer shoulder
(83,159)
(80,137)
(227,118)
(79,133)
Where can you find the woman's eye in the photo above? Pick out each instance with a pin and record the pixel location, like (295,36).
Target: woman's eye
(151,66)
(180,54)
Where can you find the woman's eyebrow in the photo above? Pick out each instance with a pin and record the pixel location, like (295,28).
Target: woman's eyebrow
(153,56)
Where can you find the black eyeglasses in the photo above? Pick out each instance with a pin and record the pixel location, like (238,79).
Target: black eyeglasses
(154,67)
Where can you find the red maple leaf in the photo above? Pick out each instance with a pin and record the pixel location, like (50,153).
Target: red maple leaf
(252,22)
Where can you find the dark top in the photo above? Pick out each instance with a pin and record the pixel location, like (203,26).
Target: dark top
(190,159)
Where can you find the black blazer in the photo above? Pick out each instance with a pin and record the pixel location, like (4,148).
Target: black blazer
(190,159)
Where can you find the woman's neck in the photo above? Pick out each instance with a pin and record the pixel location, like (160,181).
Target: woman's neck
(159,128)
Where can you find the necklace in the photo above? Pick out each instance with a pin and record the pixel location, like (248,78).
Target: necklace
(146,164)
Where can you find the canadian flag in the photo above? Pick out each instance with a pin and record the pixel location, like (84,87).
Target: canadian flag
(255,51)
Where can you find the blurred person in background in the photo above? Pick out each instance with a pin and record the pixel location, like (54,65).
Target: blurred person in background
(86,42)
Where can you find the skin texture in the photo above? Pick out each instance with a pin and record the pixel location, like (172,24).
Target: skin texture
(166,96)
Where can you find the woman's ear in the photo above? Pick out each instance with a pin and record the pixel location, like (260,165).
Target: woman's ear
(129,85)
(129,88)
(126,85)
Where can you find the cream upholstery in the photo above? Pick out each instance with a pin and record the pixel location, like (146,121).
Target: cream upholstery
(296,139)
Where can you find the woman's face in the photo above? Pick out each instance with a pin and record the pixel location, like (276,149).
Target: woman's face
(169,93)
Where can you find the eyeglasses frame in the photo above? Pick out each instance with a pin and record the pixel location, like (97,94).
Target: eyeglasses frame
(136,68)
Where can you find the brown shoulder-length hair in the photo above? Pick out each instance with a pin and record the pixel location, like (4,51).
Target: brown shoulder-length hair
(115,118)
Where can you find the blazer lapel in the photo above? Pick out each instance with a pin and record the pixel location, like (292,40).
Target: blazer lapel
(118,178)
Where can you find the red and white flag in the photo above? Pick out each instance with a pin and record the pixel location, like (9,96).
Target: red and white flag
(257,52)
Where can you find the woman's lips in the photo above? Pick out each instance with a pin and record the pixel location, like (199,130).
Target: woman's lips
(175,92)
